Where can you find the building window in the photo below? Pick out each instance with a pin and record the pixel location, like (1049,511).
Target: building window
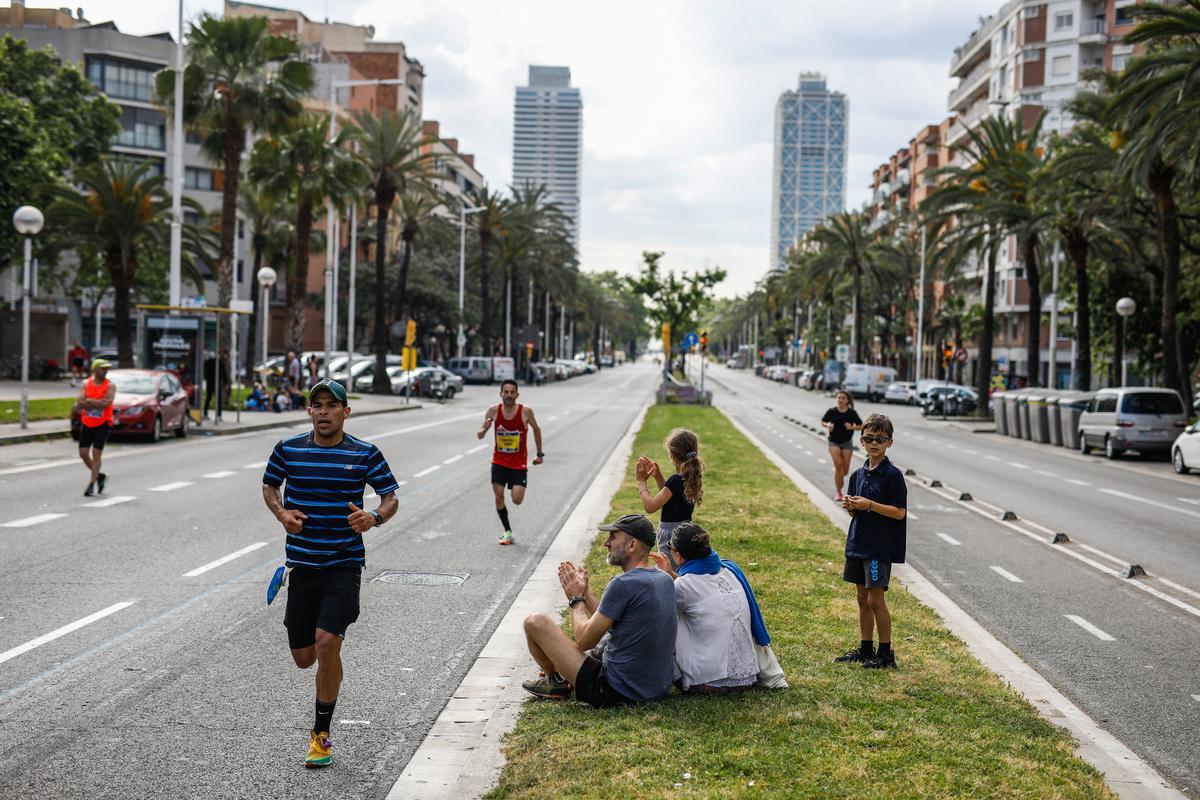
(1064,22)
(1123,15)
(1061,66)
(1032,12)
(1032,56)
(1119,60)
(142,127)
(199,179)
(125,80)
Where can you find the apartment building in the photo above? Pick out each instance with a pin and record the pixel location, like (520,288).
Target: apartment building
(454,172)
(548,139)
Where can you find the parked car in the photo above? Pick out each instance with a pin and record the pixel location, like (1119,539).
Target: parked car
(953,401)
(1144,419)
(553,371)
(868,380)
(901,392)
(421,377)
(148,402)
(472,369)
(1185,452)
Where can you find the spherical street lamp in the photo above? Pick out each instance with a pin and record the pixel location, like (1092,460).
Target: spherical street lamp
(28,221)
(1126,307)
(266,279)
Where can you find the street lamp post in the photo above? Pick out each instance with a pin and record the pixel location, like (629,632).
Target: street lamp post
(1125,307)
(462,271)
(921,313)
(28,221)
(266,279)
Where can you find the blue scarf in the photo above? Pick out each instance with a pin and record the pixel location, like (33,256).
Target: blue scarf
(711,565)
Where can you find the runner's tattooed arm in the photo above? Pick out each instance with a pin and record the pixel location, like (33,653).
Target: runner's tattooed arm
(531,421)
(291,519)
(488,418)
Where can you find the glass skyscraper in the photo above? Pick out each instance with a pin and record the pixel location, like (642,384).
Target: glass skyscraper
(808,181)
(548,138)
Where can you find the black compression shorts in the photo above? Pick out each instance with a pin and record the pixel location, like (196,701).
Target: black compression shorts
(321,597)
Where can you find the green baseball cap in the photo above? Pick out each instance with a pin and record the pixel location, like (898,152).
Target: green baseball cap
(333,387)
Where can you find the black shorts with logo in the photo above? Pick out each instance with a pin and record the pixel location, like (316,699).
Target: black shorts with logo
(593,688)
(94,438)
(321,597)
(507,476)
(869,572)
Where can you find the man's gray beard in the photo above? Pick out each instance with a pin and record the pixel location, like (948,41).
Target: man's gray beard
(615,560)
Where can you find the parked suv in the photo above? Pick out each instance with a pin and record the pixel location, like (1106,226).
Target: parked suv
(1142,419)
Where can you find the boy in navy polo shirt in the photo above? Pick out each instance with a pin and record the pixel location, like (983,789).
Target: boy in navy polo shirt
(877,502)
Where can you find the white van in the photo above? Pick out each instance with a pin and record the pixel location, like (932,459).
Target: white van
(503,369)
(472,369)
(868,380)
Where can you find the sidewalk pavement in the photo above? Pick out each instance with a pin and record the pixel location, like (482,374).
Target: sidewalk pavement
(362,405)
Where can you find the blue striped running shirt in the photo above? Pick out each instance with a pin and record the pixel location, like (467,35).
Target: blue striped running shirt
(320,482)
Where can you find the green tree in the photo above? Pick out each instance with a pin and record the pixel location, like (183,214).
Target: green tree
(304,166)
(239,79)
(846,245)
(676,300)
(416,206)
(489,223)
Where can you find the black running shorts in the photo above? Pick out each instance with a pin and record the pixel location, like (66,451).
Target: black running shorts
(321,597)
(593,688)
(93,437)
(869,572)
(507,476)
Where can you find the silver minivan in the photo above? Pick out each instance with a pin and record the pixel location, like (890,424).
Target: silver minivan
(472,369)
(1143,419)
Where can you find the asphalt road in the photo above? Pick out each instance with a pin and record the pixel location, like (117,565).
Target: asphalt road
(137,655)
(1125,650)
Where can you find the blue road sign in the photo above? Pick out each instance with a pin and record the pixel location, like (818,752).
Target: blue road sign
(690,341)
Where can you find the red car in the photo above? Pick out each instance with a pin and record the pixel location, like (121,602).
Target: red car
(148,403)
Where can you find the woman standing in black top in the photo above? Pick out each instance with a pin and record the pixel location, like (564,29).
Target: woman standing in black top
(841,421)
(677,495)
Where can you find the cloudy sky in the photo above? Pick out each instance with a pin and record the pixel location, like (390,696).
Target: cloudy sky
(679,98)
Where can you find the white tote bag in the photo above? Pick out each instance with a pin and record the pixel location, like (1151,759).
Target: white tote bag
(770,674)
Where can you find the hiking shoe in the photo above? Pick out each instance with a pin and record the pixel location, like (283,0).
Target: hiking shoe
(100,483)
(320,750)
(855,655)
(550,687)
(89,491)
(881,661)
(505,538)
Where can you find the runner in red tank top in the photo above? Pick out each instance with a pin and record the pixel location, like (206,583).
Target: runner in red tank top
(95,406)
(509,457)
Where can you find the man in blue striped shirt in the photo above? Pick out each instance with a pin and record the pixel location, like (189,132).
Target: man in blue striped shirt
(323,474)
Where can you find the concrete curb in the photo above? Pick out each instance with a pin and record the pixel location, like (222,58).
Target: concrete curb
(461,756)
(21,438)
(1125,773)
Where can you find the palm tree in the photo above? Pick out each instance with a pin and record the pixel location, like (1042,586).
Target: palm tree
(392,146)
(240,78)
(416,205)
(306,167)
(121,209)
(846,244)
(488,223)
(269,242)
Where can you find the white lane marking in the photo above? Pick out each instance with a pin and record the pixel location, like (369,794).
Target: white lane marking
(34,520)
(452,459)
(1003,573)
(1196,697)
(968,451)
(993,458)
(911,516)
(791,441)
(425,472)
(1188,500)
(1154,503)
(225,473)
(808,452)
(822,461)
(110,501)
(1046,473)
(255,465)
(950,446)
(224,560)
(63,631)
(354,722)
(1179,587)
(411,428)
(1017,465)
(170,487)
(477,449)
(1090,628)
(1078,482)
(551,419)
(945,537)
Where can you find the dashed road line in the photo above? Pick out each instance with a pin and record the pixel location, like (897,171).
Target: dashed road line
(425,472)
(993,458)
(255,465)
(1003,573)
(1090,628)
(170,487)
(822,461)
(225,473)
(1046,473)
(1017,465)
(224,560)
(1188,500)
(37,519)
(808,452)
(452,459)
(970,452)
(63,631)
(109,501)
(1078,482)
(477,449)
(1149,502)
(947,538)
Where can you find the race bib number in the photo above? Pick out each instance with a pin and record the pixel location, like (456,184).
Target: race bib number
(95,413)
(508,442)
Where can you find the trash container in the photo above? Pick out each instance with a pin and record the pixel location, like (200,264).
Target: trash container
(1023,414)
(1054,426)
(1069,411)
(1012,406)
(1039,424)
(999,413)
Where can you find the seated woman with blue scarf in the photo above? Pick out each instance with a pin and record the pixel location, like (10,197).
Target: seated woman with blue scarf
(719,622)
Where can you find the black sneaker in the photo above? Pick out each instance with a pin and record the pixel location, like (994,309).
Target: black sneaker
(855,655)
(881,661)
(89,491)
(100,483)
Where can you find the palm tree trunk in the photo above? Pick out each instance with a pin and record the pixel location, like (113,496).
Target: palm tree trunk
(485,306)
(1033,342)
(235,143)
(1077,251)
(401,284)
(983,379)
(379,337)
(858,314)
(121,284)
(297,284)
(1168,236)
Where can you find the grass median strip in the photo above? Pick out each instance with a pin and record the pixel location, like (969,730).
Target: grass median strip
(42,408)
(941,726)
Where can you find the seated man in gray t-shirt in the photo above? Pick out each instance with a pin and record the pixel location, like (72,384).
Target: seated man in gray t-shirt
(637,610)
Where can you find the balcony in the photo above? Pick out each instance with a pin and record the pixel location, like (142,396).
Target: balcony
(1093,31)
(975,81)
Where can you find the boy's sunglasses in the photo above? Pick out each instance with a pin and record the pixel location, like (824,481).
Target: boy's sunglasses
(875,439)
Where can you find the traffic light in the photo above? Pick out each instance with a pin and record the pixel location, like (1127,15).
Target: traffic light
(947,352)
(703,341)
(410,333)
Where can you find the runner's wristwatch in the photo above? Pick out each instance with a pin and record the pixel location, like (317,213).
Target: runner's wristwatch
(378,518)
(541,454)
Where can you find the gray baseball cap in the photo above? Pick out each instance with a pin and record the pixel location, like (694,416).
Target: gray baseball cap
(636,525)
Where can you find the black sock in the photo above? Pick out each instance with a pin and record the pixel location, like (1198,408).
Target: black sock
(885,648)
(324,716)
(502,512)
(866,646)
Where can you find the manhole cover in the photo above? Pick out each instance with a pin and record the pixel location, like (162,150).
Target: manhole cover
(420,578)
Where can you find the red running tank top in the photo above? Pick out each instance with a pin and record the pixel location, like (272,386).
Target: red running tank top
(511,437)
(95,417)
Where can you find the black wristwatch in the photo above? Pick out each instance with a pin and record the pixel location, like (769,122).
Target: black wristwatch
(378,518)
(541,454)
(576,599)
